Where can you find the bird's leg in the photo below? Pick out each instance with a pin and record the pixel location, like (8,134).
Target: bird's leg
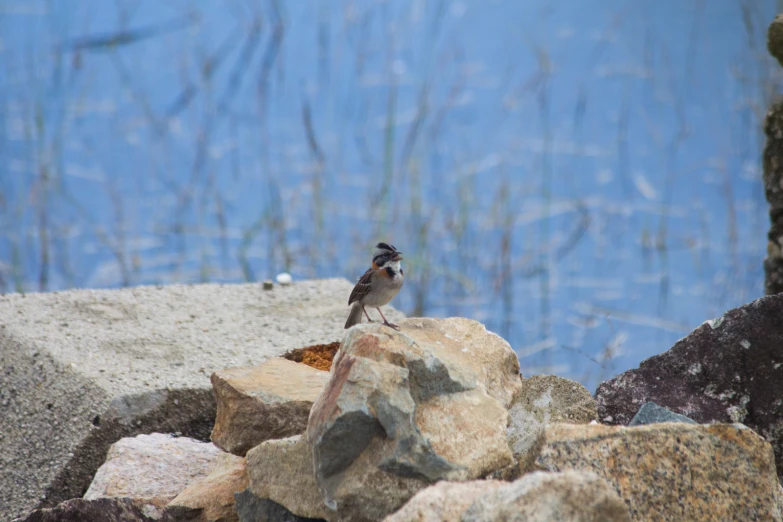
(387,323)
(368,315)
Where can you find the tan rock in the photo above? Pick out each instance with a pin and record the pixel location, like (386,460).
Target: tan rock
(572,496)
(673,471)
(463,429)
(152,469)
(212,498)
(544,399)
(258,403)
(483,356)
(405,409)
(443,502)
(282,471)
(551,399)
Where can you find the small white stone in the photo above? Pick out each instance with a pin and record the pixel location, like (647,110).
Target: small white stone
(745,343)
(284,278)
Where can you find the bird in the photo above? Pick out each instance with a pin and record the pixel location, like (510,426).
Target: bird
(379,284)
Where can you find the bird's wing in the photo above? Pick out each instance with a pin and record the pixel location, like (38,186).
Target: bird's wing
(362,288)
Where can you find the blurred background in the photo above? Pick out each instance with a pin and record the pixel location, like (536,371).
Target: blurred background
(583,176)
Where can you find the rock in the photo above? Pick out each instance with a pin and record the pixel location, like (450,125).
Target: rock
(284,279)
(651,413)
(544,399)
(282,471)
(98,510)
(773,183)
(572,496)
(152,469)
(775,39)
(211,499)
(556,399)
(727,370)
(82,369)
(258,403)
(444,501)
(673,471)
(405,409)
(251,508)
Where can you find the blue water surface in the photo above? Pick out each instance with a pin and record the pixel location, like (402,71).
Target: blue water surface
(582,176)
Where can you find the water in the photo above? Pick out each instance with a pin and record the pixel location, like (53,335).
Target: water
(583,177)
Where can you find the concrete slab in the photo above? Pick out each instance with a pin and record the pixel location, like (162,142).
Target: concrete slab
(81,369)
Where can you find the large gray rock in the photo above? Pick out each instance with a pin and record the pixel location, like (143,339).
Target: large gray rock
(83,369)
(282,471)
(673,471)
(405,409)
(152,469)
(99,510)
(268,401)
(727,370)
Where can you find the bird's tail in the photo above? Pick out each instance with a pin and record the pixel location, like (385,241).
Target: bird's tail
(355,317)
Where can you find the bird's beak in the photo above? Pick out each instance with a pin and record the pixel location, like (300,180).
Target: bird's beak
(397,256)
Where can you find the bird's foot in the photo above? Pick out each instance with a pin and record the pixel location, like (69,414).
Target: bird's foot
(391,325)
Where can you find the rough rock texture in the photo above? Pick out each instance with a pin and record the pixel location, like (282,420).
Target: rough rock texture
(651,413)
(443,502)
(82,369)
(251,508)
(673,471)
(729,369)
(98,510)
(544,399)
(572,496)
(773,177)
(549,398)
(152,469)
(258,403)
(211,499)
(282,471)
(405,409)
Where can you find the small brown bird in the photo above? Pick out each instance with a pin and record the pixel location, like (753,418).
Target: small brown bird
(378,285)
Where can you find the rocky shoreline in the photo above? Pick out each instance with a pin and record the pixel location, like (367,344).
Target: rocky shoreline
(436,422)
